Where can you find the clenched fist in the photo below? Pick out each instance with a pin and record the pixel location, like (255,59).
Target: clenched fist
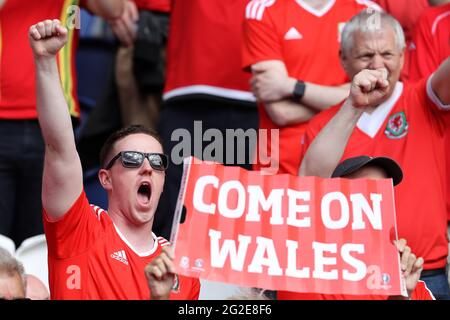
(369,88)
(47,38)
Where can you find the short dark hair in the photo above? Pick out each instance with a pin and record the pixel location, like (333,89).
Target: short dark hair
(122,133)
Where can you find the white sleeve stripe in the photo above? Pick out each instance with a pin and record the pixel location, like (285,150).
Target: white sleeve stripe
(98,211)
(433,97)
(247,10)
(254,11)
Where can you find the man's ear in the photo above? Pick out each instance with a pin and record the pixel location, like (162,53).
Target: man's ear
(104,176)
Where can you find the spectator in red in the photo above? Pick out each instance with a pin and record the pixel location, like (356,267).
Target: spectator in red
(292,49)
(21,143)
(432,46)
(404,122)
(94,254)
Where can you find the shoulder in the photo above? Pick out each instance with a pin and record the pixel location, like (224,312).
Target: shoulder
(260,9)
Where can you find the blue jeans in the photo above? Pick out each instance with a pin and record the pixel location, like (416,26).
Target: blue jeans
(438,285)
(21,164)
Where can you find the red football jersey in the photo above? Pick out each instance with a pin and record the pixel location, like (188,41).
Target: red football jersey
(421,292)
(88,258)
(307,41)
(154,5)
(409,127)
(203,50)
(17,78)
(432,46)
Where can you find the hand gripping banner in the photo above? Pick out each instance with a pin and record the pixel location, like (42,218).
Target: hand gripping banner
(283,232)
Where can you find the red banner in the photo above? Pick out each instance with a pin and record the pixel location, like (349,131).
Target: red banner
(283,232)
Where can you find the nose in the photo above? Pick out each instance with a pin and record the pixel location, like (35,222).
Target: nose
(377,62)
(146,167)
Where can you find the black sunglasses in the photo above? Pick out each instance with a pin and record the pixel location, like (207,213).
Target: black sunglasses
(135,159)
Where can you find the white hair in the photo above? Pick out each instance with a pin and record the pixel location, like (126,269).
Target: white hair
(369,21)
(10,265)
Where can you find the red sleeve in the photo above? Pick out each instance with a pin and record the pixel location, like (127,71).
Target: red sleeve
(421,292)
(433,107)
(154,5)
(75,232)
(424,58)
(260,41)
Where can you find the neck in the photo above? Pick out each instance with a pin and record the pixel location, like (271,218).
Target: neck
(138,236)
(317,4)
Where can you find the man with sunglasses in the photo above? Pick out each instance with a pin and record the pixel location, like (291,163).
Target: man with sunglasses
(94,254)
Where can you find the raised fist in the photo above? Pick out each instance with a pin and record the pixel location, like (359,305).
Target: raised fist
(47,37)
(369,88)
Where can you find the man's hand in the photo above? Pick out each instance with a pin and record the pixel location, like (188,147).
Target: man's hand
(160,275)
(270,81)
(369,88)
(411,266)
(125,27)
(47,38)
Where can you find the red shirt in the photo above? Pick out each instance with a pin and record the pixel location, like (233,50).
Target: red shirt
(432,41)
(154,5)
(203,50)
(409,128)
(88,258)
(17,78)
(407,12)
(421,292)
(432,47)
(308,43)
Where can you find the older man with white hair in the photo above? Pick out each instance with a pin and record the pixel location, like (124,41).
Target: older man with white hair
(384,117)
(12,277)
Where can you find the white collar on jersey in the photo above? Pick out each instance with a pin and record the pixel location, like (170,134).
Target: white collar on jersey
(314,11)
(140,254)
(371,123)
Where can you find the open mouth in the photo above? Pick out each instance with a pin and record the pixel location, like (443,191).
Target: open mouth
(144,192)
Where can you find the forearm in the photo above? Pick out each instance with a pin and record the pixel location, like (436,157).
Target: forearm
(327,148)
(107,9)
(287,112)
(318,97)
(52,108)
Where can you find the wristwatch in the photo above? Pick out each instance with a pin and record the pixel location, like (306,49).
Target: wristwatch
(299,90)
